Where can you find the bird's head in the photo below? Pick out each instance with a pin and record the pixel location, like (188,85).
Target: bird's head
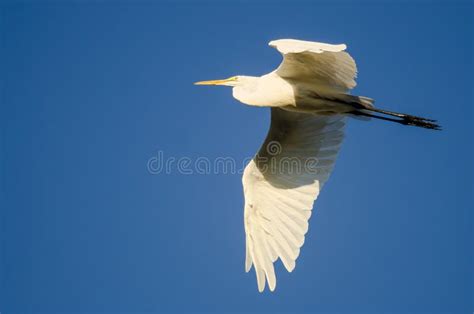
(243,88)
(231,81)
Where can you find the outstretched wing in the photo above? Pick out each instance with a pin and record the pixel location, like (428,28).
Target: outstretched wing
(324,65)
(281,184)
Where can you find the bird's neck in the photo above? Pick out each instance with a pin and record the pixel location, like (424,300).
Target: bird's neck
(269,90)
(247,91)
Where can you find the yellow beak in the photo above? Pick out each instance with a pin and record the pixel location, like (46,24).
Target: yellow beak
(216,82)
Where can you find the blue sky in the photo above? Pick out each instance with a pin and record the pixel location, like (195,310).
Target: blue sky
(93,90)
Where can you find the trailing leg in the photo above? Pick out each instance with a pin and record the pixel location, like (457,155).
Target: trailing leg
(405,119)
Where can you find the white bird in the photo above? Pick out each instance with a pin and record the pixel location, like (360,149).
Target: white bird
(309,100)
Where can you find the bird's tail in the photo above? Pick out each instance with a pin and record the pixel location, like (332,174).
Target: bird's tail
(400,118)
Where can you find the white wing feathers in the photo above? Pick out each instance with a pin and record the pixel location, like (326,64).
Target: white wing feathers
(327,66)
(281,184)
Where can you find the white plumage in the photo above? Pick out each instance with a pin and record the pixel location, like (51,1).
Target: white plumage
(318,64)
(309,100)
(278,203)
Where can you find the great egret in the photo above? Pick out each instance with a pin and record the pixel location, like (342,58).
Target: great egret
(309,100)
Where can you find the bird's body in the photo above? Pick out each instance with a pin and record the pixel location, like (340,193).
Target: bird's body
(271,90)
(309,99)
